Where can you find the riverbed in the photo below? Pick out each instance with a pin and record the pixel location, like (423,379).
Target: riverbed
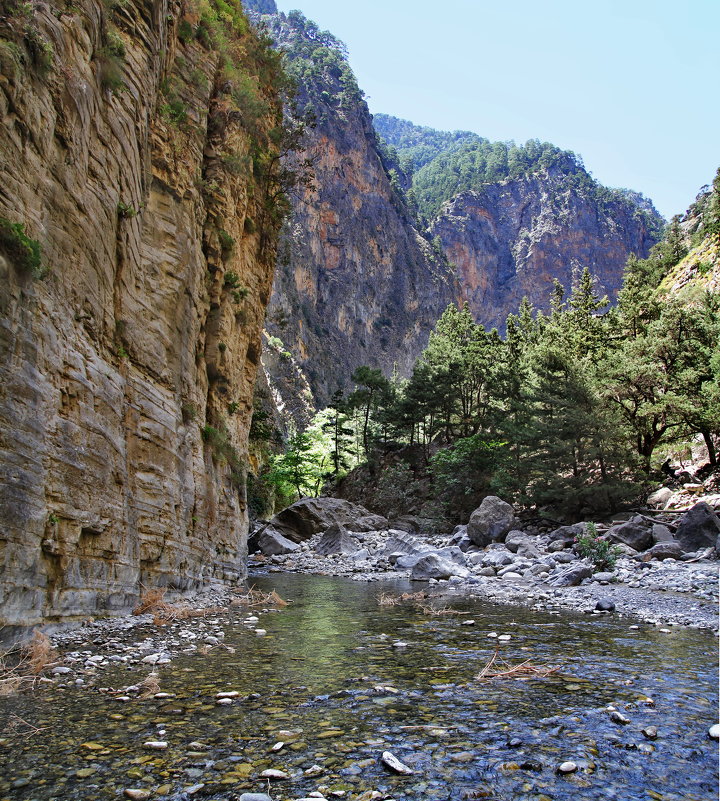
(339,678)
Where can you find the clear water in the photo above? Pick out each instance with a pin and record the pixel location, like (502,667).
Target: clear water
(328,672)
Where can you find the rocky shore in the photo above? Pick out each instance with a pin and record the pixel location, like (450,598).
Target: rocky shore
(669,577)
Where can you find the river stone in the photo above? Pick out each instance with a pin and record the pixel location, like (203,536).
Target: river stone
(698,528)
(567,767)
(336,540)
(570,576)
(392,762)
(636,533)
(136,795)
(514,539)
(714,732)
(434,566)
(663,550)
(491,521)
(310,516)
(605,605)
(497,557)
(254,797)
(659,498)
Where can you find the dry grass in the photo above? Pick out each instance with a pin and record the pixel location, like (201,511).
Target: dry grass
(421,600)
(255,598)
(165,613)
(149,686)
(21,665)
(385,599)
(523,671)
(153,601)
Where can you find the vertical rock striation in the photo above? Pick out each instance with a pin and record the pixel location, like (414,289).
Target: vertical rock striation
(355,283)
(512,239)
(127,373)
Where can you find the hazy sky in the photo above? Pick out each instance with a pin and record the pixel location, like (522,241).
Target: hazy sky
(632,86)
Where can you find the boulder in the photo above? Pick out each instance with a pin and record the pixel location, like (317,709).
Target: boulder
(663,550)
(570,576)
(659,498)
(661,533)
(336,540)
(556,545)
(460,538)
(399,542)
(434,566)
(272,543)
(453,553)
(698,528)
(636,533)
(496,557)
(491,521)
(515,538)
(567,534)
(310,516)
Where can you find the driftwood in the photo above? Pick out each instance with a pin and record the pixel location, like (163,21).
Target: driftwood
(525,670)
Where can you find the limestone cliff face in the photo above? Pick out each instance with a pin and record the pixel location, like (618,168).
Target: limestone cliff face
(355,283)
(510,240)
(127,373)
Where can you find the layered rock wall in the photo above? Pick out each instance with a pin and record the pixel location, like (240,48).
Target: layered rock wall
(127,372)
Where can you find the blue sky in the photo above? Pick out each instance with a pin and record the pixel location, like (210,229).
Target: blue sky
(631,86)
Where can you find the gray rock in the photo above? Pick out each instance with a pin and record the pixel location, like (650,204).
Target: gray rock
(605,605)
(497,557)
(568,533)
(336,540)
(392,762)
(310,516)
(514,539)
(555,546)
(407,561)
(486,571)
(636,533)
(663,550)
(400,542)
(659,498)
(491,521)
(698,528)
(272,543)
(570,576)
(604,576)
(565,557)
(433,566)
(661,533)
(453,553)
(254,797)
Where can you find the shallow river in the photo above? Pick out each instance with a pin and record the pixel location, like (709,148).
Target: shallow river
(330,676)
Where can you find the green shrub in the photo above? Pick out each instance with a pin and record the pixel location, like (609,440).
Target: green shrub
(601,552)
(239,295)
(232,279)
(41,50)
(126,210)
(110,70)
(227,243)
(185,31)
(175,111)
(24,252)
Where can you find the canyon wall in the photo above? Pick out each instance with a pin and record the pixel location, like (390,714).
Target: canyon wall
(131,155)
(512,239)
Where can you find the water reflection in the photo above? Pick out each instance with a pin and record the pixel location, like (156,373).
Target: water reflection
(329,681)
